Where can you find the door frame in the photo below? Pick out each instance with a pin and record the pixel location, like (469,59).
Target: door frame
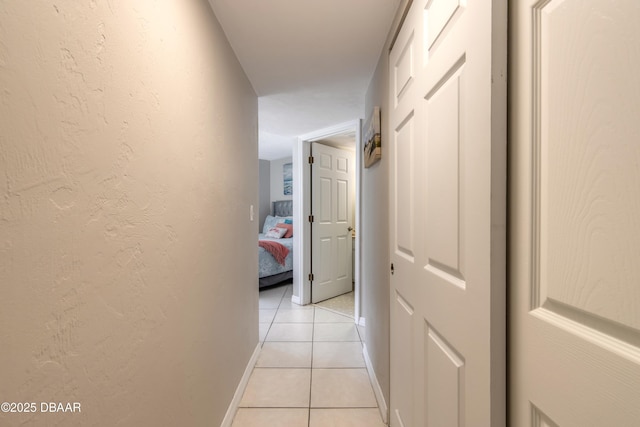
(301,207)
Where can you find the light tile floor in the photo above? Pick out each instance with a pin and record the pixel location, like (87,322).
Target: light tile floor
(310,372)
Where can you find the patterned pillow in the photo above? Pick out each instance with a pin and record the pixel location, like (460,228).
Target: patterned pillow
(269,222)
(276,233)
(287,227)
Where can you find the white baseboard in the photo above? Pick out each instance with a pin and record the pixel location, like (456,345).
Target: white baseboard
(233,407)
(296,300)
(361,322)
(377,390)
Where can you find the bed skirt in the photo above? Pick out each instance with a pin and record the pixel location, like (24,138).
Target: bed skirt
(276,278)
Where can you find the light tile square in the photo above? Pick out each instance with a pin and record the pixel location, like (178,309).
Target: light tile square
(341,304)
(351,417)
(266,315)
(280,388)
(272,417)
(341,388)
(290,305)
(326,316)
(276,291)
(294,316)
(337,355)
(335,332)
(269,302)
(285,355)
(263,328)
(290,332)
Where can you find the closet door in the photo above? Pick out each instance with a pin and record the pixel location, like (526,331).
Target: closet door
(575,204)
(448,181)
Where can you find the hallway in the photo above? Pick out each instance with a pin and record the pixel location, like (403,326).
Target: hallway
(310,372)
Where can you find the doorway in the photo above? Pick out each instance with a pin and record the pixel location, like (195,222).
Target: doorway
(332,217)
(302,208)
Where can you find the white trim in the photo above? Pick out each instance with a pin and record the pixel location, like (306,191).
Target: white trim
(301,204)
(377,390)
(235,402)
(295,299)
(361,322)
(357,311)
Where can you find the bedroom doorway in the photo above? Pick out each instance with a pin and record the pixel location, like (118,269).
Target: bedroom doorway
(344,135)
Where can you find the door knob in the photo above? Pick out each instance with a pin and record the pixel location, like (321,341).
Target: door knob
(350,228)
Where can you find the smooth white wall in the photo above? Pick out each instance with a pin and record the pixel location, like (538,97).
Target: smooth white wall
(277,187)
(375,239)
(128,264)
(264,192)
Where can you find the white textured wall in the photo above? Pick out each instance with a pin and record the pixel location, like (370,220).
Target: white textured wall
(128,161)
(277,187)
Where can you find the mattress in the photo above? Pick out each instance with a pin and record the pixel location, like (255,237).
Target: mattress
(267,264)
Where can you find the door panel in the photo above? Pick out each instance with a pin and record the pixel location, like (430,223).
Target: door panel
(343,266)
(403,71)
(439,13)
(444,368)
(332,197)
(575,203)
(324,271)
(325,201)
(541,420)
(342,199)
(403,378)
(448,220)
(403,226)
(443,178)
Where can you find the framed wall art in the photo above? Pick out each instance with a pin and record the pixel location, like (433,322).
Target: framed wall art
(287,179)
(372,139)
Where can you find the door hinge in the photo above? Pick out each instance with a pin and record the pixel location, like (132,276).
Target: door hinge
(310,218)
(311,277)
(311,159)
(393,270)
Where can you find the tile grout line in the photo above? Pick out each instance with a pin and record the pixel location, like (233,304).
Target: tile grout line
(313,331)
(279,309)
(330,310)
(274,316)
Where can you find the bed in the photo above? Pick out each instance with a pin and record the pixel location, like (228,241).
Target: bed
(270,270)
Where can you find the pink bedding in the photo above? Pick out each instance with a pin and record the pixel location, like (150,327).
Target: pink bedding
(278,251)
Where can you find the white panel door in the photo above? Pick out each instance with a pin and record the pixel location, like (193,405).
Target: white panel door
(575,213)
(332,198)
(448,193)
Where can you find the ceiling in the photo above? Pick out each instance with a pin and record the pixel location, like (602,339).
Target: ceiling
(309,61)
